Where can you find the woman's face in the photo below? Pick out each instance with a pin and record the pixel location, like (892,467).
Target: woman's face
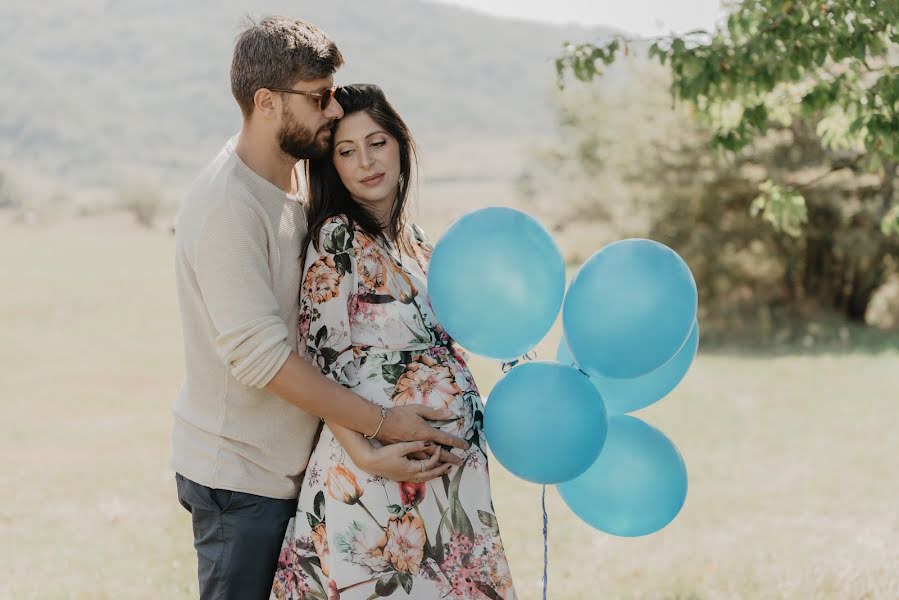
(367,159)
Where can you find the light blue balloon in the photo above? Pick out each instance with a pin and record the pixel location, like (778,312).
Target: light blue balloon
(637,485)
(627,395)
(629,308)
(496,282)
(545,422)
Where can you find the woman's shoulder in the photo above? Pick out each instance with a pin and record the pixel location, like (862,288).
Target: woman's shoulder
(339,231)
(419,239)
(416,233)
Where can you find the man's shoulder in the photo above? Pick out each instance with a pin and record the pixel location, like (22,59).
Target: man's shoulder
(218,187)
(220,199)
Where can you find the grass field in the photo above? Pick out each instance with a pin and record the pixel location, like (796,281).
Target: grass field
(794,475)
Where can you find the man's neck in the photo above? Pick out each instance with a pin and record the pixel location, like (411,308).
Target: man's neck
(263,156)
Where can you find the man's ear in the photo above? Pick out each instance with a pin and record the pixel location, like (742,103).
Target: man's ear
(265,103)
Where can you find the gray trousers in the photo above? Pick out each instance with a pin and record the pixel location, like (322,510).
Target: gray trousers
(237,537)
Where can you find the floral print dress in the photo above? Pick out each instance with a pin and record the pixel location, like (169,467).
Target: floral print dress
(366,321)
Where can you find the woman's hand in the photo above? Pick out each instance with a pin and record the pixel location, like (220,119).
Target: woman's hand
(394,462)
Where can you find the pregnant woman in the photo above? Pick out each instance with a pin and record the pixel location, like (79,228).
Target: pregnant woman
(365,320)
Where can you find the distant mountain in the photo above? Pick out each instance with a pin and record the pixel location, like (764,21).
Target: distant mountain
(97,91)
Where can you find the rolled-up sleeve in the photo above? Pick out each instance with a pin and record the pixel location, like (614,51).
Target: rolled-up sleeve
(235,280)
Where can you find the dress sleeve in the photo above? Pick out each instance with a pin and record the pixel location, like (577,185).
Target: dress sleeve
(329,286)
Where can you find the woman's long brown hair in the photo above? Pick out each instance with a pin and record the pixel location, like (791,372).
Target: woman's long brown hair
(328,197)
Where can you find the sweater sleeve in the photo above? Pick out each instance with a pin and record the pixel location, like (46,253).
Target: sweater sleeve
(235,280)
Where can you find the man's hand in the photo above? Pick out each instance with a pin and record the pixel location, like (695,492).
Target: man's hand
(409,423)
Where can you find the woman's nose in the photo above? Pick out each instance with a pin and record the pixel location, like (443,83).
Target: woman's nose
(365,159)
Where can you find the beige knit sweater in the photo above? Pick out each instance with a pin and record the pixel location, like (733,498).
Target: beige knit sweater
(238,240)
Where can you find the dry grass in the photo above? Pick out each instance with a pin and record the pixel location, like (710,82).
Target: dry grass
(793,488)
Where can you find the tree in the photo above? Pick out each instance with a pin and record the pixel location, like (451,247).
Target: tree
(823,72)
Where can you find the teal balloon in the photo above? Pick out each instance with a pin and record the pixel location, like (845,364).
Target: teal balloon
(496,282)
(629,309)
(627,395)
(637,485)
(545,422)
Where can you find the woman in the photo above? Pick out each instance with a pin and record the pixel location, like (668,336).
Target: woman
(367,526)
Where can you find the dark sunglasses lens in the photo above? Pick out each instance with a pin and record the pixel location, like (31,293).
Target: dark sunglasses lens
(326,98)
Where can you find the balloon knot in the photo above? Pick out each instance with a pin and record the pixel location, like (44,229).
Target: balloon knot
(508,366)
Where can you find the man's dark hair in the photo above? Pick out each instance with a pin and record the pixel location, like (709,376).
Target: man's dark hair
(278,52)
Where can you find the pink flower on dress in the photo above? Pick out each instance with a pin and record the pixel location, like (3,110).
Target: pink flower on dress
(289,580)
(303,324)
(428,383)
(362,311)
(405,543)
(411,493)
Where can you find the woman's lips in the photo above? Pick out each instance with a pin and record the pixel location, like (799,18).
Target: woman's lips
(373,180)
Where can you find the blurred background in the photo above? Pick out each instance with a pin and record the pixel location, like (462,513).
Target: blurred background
(768,162)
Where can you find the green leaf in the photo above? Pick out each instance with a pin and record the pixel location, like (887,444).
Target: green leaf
(319,505)
(890,223)
(320,336)
(313,520)
(783,208)
(406,581)
(392,373)
(438,539)
(386,585)
(330,355)
(489,522)
(458,517)
(395,509)
(343,262)
(307,565)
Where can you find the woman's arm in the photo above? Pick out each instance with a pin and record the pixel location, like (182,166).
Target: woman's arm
(393,462)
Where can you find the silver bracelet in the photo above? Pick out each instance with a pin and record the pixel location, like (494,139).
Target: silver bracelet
(383,416)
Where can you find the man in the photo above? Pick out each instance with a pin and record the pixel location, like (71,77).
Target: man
(247,414)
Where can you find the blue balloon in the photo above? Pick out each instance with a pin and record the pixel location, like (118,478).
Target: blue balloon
(496,282)
(637,485)
(545,422)
(627,395)
(629,309)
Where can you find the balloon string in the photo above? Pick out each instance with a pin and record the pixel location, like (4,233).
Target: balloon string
(545,545)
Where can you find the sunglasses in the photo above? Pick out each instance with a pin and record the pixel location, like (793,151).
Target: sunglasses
(324,97)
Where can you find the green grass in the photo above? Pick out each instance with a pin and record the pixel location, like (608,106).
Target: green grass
(791,457)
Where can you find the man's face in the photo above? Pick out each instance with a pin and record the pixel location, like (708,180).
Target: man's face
(305,129)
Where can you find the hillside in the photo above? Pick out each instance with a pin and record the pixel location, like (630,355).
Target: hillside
(100,91)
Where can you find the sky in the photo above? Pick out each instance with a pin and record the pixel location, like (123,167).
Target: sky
(641,17)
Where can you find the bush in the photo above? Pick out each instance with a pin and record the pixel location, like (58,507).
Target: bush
(143,201)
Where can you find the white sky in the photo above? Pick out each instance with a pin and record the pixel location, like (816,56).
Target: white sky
(642,17)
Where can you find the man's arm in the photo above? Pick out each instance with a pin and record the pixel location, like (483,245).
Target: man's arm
(232,270)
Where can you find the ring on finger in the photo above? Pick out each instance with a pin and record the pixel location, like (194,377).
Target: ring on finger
(422,463)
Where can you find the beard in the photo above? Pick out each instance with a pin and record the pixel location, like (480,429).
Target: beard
(300,143)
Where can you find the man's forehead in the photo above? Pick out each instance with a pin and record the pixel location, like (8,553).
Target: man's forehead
(316,84)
